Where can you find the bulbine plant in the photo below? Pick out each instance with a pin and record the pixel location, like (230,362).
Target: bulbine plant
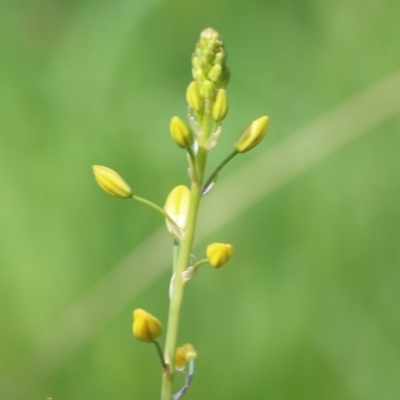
(207,102)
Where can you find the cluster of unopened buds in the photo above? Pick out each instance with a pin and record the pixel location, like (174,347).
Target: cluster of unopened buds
(207,107)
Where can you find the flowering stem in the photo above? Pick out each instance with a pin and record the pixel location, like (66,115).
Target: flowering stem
(182,262)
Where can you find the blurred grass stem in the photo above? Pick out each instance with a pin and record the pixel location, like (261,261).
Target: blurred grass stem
(320,138)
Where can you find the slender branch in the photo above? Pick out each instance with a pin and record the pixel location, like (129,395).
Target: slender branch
(200,262)
(214,175)
(159,209)
(160,355)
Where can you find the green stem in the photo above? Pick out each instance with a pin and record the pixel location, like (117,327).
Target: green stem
(192,164)
(214,175)
(160,354)
(182,262)
(175,252)
(201,262)
(159,209)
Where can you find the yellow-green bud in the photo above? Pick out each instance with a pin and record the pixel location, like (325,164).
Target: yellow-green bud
(180,132)
(177,206)
(209,60)
(215,73)
(199,77)
(196,63)
(207,89)
(183,354)
(219,253)
(252,135)
(111,182)
(219,58)
(146,327)
(220,106)
(193,97)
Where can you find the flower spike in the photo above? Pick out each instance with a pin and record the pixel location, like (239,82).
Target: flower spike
(209,64)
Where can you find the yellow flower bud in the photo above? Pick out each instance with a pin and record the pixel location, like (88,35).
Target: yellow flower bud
(111,182)
(220,107)
(180,132)
(177,206)
(219,253)
(183,354)
(146,327)
(252,135)
(180,358)
(193,97)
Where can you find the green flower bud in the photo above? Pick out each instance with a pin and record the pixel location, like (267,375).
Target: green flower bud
(252,135)
(177,206)
(193,97)
(210,40)
(220,106)
(207,89)
(219,253)
(196,63)
(215,73)
(146,327)
(180,132)
(199,77)
(219,58)
(111,182)
(209,60)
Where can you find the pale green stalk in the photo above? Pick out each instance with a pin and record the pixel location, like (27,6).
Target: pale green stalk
(214,175)
(182,262)
(200,263)
(160,210)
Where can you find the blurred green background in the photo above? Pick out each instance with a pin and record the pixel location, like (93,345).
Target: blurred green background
(308,308)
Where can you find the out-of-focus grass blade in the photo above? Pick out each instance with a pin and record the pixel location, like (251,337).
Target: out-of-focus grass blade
(256,180)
